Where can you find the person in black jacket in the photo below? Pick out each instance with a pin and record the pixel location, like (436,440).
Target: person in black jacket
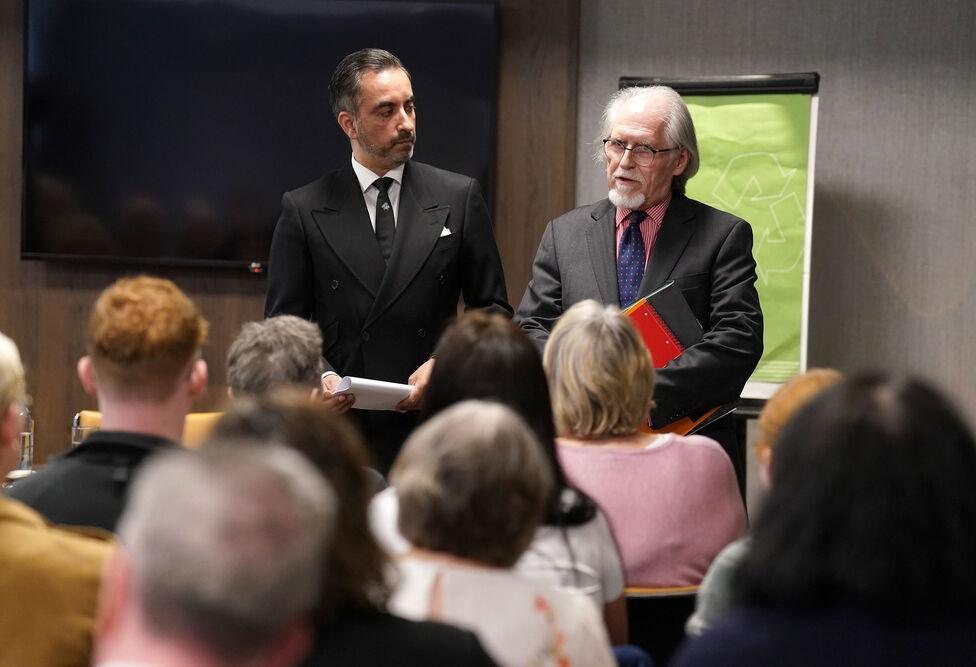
(144,367)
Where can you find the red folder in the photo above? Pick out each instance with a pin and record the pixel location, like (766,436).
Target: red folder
(665,322)
(667,325)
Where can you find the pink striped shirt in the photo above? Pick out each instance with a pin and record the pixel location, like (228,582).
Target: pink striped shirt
(650,226)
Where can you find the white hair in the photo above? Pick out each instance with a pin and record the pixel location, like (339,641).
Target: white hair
(12,384)
(678,126)
(228,543)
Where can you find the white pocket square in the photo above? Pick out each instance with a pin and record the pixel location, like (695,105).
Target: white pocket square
(445,232)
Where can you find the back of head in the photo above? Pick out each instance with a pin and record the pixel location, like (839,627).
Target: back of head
(871,505)
(472,482)
(678,125)
(485,356)
(143,333)
(793,395)
(282,350)
(355,573)
(12,383)
(600,373)
(344,87)
(226,545)
(488,357)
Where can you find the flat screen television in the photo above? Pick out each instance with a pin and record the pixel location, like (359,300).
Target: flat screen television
(164,132)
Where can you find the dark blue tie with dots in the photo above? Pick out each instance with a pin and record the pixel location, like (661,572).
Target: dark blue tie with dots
(630,259)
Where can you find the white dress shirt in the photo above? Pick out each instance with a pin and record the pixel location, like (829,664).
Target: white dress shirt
(371,192)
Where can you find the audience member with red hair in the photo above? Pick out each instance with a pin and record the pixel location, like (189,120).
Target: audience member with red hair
(144,367)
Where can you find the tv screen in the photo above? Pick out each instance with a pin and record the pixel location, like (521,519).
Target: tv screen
(166,131)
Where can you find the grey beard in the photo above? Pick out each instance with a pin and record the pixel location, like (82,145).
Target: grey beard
(632,201)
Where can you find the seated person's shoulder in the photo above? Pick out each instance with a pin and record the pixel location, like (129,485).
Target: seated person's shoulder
(29,539)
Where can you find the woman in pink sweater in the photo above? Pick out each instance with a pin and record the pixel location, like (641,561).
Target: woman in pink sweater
(672,502)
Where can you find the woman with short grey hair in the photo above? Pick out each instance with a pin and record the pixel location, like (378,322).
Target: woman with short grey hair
(473,485)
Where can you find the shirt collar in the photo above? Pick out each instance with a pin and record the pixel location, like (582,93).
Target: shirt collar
(366,177)
(655,212)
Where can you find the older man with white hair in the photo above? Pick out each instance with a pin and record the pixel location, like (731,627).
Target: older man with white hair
(645,233)
(222,560)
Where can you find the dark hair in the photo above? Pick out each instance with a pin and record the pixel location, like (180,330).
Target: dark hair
(344,87)
(873,505)
(486,356)
(355,571)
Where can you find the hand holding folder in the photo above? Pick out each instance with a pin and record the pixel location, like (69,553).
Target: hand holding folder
(668,327)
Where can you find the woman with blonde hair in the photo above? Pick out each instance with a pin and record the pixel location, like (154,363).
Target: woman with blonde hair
(672,501)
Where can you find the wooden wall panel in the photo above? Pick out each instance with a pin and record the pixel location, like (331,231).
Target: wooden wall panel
(43,306)
(536,156)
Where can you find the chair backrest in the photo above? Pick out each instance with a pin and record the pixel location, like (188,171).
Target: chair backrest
(196,427)
(88,418)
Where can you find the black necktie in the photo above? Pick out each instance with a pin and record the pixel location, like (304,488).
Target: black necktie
(630,260)
(385,226)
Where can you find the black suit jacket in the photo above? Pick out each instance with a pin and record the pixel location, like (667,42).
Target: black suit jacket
(383,321)
(707,252)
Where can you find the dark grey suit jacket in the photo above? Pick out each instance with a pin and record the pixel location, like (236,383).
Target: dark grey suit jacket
(707,252)
(382,321)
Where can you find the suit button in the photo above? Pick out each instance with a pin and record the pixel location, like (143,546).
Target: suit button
(365,335)
(334,284)
(442,279)
(422,333)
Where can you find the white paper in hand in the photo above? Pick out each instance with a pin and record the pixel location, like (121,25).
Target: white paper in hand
(373,394)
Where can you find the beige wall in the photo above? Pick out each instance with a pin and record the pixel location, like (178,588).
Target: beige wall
(43,306)
(894,228)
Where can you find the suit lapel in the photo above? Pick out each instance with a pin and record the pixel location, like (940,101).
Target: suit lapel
(419,224)
(671,242)
(600,239)
(344,224)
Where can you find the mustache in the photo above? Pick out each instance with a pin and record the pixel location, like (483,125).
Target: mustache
(632,174)
(406,136)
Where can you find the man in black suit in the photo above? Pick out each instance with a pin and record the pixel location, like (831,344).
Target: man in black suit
(378,252)
(646,233)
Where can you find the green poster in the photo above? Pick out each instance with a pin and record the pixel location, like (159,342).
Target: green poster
(754,164)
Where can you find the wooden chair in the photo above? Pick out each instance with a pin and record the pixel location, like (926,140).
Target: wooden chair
(196,427)
(657,618)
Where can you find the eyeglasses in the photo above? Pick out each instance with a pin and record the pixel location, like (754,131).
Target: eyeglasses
(642,154)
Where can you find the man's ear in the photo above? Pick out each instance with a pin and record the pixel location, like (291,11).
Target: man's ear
(347,122)
(86,373)
(681,163)
(198,378)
